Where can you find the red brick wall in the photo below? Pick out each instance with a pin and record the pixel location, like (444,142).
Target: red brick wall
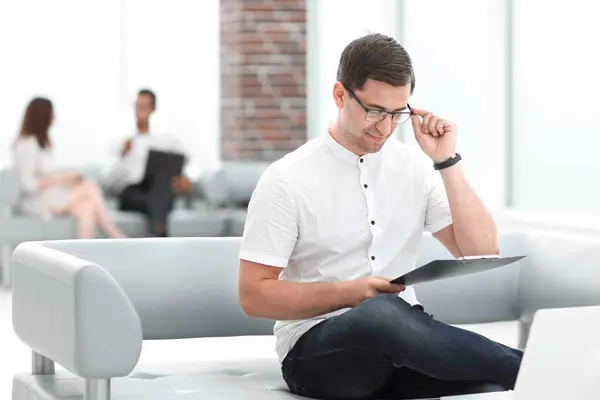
(263,78)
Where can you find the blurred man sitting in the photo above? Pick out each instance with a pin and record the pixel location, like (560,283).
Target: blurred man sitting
(152,197)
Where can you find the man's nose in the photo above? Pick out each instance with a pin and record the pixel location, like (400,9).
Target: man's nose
(386,125)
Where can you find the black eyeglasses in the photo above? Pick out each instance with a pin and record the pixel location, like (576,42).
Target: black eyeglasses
(373,115)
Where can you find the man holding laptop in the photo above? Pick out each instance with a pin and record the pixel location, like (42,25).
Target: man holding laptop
(147,174)
(332,223)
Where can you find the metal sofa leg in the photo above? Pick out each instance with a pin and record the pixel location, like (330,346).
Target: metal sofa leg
(97,389)
(6,250)
(41,365)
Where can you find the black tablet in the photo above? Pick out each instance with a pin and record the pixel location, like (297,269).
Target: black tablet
(442,269)
(164,162)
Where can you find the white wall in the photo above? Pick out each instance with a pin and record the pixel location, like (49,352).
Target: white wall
(172,46)
(556,100)
(332,24)
(90,58)
(458,50)
(65,50)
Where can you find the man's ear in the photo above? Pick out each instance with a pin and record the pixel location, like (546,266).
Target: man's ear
(338,94)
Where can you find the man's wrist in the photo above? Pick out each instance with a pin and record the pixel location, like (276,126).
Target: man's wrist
(451,174)
(437,160)
(345,291)
(447,162)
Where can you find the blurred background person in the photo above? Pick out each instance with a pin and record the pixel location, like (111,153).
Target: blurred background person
(47,192)
(152,197)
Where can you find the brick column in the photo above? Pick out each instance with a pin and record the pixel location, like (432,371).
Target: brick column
(263,78)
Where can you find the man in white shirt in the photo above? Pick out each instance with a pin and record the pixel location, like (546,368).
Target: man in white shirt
(152,197)
(330,224)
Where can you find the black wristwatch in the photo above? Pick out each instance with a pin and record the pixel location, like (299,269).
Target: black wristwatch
(448,163)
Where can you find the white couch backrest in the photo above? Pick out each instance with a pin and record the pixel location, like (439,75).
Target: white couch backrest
(232,183)
(563,271)
(197,277)
(482,297)
(180,287)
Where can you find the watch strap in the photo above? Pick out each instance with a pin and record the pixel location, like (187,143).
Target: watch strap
(448,163)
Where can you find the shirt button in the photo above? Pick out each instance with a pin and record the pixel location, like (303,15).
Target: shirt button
(366,186)
(361,160)
(372,222)
(373,258)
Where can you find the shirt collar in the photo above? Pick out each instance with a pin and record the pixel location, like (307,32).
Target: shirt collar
(341,152)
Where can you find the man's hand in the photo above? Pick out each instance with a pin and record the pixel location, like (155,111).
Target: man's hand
(436,136)
(181,184)
(369,286)
(126,147)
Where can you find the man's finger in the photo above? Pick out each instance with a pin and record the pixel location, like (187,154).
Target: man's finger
(420,112)
(439,126)
(433,121)
(425,123)
(416,123)
(385,285)
(396,288)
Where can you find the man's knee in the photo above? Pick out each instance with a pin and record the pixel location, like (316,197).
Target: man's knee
(84,209)
(386,305)
(385,315)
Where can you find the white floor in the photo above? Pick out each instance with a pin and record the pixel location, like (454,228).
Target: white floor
(14,355)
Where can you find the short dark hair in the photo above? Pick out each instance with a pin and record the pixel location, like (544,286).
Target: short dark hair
(378,57)
(150,93)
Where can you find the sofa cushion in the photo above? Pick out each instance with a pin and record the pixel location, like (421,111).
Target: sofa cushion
(196,223)
(236,221)
(182,222)
(17,228)
(230,184)
(200,369)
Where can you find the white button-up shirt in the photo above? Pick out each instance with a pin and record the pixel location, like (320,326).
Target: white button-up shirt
(130,169)
(325,214)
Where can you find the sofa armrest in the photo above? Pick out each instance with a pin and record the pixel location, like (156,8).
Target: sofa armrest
(74,313)
(180,287)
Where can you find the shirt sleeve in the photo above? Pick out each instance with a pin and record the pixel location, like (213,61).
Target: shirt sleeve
(271,228)
(109,177)
(25,156)
(437,213)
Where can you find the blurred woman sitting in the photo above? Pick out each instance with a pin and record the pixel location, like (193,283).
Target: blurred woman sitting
(47,192)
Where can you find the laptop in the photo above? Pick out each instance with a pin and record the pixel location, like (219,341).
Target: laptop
(164,162)
(562,358)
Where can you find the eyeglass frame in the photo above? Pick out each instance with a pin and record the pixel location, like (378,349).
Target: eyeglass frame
(380,112)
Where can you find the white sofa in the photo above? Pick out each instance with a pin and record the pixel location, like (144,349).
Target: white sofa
(159,318)
(215,207)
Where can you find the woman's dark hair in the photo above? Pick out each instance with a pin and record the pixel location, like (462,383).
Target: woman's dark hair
(36,121)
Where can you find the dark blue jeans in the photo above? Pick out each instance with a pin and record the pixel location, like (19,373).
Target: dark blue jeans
(384,348)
